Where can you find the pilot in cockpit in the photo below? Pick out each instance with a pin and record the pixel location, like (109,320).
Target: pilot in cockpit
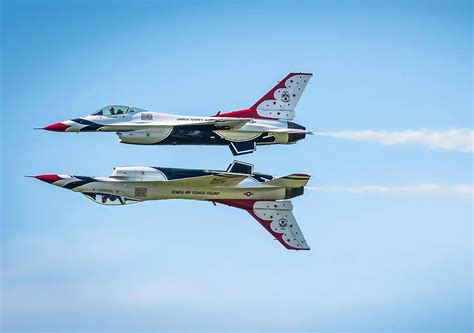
(112,110)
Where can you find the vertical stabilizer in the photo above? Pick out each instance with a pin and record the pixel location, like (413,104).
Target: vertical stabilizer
(279,103)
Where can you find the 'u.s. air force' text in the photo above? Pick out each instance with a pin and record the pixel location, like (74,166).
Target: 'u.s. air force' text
(195,192)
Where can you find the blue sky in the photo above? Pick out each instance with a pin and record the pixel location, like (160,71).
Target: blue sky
(378,262)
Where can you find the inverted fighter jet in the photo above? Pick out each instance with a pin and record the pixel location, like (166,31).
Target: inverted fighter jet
(263,196)
(266,122)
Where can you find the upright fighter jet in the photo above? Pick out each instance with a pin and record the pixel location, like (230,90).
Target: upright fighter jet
(262,195)
(266,122)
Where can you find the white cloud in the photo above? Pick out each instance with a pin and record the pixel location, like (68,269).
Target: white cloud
(418,189)
(453,139)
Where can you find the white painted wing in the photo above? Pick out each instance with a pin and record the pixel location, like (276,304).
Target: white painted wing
(221,179)
(217,123)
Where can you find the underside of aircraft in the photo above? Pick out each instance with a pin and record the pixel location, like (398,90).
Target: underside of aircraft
(263,196)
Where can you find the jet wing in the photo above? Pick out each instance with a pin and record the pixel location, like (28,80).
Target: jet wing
(276,217)
(218,123)
(218,179)
(236,123)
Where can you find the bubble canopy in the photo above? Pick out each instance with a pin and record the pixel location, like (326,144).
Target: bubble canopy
(113,110)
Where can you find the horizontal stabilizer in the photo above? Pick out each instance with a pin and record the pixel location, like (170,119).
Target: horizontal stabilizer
(293,180)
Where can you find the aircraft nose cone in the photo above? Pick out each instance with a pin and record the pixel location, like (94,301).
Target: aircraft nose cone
(51,178)
(57,127)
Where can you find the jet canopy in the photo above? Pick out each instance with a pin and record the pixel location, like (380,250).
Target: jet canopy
(113,110)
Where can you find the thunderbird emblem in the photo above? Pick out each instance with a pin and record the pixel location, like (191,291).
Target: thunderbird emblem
(283,223)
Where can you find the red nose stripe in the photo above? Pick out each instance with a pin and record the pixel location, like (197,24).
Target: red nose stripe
(48,178)
(57,127)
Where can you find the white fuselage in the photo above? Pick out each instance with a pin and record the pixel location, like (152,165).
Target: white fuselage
(131,121)
(149,190)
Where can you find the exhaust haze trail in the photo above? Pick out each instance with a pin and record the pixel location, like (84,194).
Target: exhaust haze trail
(466,190)
(453,139)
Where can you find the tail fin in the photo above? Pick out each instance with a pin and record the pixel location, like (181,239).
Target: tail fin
(294,180)
(279,103)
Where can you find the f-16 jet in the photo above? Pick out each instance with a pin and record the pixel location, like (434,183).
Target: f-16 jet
(266,122)
(264,196)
